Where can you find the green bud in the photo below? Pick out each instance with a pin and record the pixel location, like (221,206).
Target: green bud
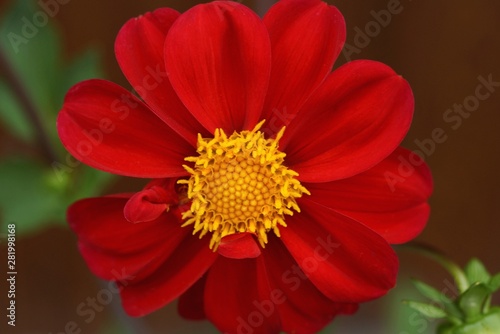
(470,312)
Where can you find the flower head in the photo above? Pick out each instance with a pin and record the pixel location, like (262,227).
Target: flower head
(239,184)
(276,185)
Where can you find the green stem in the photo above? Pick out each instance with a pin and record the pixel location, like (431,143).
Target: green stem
(455,271)
(28,106)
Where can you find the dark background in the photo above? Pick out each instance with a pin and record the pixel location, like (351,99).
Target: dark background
(440,47)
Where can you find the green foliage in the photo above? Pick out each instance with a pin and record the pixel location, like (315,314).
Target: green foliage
(470,312)
(12,116)
(494,283)
(26,197)
(476,272)
(405,320)
(31,194)
(429,310)
(448,306)
(35,54)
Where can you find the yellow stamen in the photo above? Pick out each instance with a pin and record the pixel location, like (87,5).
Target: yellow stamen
(239,184)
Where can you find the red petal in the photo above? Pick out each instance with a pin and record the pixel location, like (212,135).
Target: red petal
(139,50)
(345,260)
(236,297)
(113,247)
(132,267)
(218,59)
(390,198)
(239,246)
(147,205)
(396,227)
(186,265)
(191,304)
(306,38)
(353,121)
(301,306)
(104,126)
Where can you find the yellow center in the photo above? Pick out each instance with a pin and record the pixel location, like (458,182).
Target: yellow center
(239,184)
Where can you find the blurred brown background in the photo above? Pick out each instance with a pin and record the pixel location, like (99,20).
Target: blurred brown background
(440,47)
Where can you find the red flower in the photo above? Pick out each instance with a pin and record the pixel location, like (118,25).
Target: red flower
(293,216)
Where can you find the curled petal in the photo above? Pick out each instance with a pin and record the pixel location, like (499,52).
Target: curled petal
(147,205)
(239,246)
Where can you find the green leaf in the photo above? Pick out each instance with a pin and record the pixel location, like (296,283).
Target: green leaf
(12,115)
(430,292)
(436,296)
(403,320)
(476,272)
(33,196)
(429,310)
(34,52)
(494,283)
(26,198)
